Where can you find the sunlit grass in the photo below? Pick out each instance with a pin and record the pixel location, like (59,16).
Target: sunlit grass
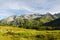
(15,33)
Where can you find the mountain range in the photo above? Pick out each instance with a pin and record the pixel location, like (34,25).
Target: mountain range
(29,19)
(31,16)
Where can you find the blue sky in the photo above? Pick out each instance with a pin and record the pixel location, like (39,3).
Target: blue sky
(19,7)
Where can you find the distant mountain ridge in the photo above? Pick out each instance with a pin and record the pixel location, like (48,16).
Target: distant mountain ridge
(30,16)
(31,21)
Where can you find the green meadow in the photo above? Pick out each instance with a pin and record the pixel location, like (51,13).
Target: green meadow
(15,33)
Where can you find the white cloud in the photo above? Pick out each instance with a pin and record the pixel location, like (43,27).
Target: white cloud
(5,13)
(17,5)
(31,5)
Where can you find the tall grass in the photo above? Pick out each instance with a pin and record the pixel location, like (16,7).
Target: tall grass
(14,33)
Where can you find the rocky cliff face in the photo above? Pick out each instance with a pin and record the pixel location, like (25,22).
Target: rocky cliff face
(12,18)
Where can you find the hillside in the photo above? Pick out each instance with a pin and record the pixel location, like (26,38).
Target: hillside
(55,24)
(30,21)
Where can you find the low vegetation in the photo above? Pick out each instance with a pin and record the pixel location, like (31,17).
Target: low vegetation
(28,23)
(15,33)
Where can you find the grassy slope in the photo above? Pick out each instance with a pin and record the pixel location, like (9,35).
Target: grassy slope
(14,33)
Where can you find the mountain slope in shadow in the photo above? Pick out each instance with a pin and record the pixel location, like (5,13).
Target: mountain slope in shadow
(55,24)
